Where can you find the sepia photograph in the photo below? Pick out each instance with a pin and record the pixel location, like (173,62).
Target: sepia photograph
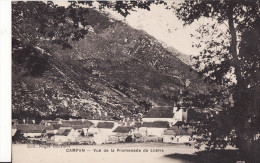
(146,81)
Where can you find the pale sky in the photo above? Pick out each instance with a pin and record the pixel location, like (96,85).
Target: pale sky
(161,24)
(164,26)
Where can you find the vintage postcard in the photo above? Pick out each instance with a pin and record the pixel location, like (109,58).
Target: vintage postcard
(135,81)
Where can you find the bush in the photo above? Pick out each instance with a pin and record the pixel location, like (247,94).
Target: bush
(129,139)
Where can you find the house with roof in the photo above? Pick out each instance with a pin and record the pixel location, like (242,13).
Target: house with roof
(92,131)
(102,131)
(30,130)
(155,128)
(121,133)
(107,127)
(82,126)
(66,135)
(177,134)
(166,113)
(124,129)
(52,129)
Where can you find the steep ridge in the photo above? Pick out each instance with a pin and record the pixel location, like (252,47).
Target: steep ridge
(116,70)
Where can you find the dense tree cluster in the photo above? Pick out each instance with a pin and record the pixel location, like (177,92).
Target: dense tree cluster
(231,58)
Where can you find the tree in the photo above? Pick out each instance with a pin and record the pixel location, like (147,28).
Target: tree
(231,58)
(18,136)
(35,22)
(129,138)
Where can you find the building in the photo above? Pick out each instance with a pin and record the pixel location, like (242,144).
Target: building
(124,129)
(52,129)
(166,113)
(102,131)
(155,128)
(92,131)
(160,113)
(121,133)
(31,130)
(107,127)
(180,114)
(82,126)
(66,135)
(177,134)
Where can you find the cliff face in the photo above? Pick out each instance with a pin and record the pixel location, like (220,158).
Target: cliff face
(115,70)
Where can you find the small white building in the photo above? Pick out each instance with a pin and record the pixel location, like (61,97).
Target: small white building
(155,128)
(66,135)
(121,133)
(102,131)
(93,130)
(177,134)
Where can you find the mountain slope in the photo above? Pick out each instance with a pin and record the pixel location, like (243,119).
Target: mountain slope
(116,70)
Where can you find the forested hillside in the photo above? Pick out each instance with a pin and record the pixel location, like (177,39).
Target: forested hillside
(114,70)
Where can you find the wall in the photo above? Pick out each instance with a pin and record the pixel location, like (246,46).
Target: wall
(156,131)
(170,120)
(146,131)
(32,134)
(178,115)
(177,139)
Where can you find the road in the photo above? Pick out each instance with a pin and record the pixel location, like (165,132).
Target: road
(107,153)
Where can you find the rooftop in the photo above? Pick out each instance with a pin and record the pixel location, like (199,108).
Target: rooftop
(174,130)
(105,125)
(123,129)
(156,124)
(30,128)
(48,121)
(53,127)
(77,124)
(160,112)
(63,132)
